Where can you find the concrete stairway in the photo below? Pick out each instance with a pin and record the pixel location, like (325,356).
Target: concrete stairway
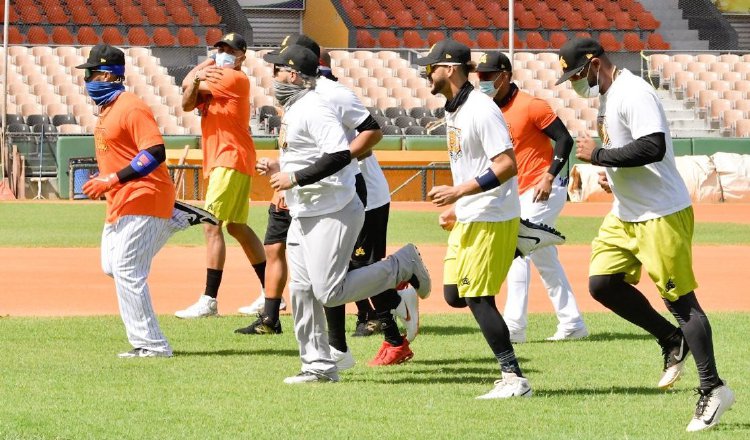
(673,27)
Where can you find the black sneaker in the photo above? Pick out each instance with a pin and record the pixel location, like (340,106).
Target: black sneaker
(367,327)
(261,326)
(196,215)
(675,356)
(532,236)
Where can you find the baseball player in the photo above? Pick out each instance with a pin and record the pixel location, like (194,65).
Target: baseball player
(651,222)
(317,173)
(362,133)
(221,91)
(141,210)
(532,123)
(482,242)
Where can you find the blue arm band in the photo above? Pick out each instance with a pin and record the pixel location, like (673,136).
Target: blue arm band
(143,163)
(487,180)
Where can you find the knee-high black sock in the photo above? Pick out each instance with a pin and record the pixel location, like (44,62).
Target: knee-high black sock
(697,330)
(336,319)
(628,302)
(213,280)
(364,309)
(385,302)
(260,271)
(450,293)
(495,332)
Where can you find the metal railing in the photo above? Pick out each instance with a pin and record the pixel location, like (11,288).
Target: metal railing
(183,185)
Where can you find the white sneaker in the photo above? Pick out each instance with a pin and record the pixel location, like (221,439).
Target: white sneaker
(409,257)
(195,215)
(257,306)
(205,307)
(517,336)
(569,335)
(710,407)
(312,377)
(344,360)
(144,353)
(532,236)
(674,363)
(408,312)
(509,386)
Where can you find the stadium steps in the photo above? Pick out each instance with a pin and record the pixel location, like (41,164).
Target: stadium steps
(741,24)
(674,28)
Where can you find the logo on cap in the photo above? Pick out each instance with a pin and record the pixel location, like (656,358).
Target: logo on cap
(483,59)
(290,62)
(283,42)
(103,60)
(563,63)
(229,37)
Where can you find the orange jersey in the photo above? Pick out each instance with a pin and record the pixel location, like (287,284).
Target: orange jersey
(526,117)
(123,129)
(225,121)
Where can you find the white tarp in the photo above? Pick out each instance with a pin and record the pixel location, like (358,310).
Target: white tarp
(734,175)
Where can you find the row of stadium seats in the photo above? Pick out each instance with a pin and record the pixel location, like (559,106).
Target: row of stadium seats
(133,36)
(631,41)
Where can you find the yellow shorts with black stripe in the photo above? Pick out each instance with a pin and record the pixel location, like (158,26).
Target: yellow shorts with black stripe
(228,195)
(479,256)
(663,245)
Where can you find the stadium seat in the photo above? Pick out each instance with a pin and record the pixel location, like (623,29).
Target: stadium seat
(500,20)
(87,35)
(111,35)
(58,120)
(212,36)
(29,13)
(180,15)
(464,38)
(454,21)
(388,39)
(487,40)
(156,16)
(56,15)
(137,37)
(208,17)
(404,19)
(534,40)
(575,22)
(632,42)
(404,121)
(609,42)
(557,39)
(656,42)
(391,130)
(364,39)
(599,21)
(429,21)
(107,16)
(413,40)
(162,37)
(435,36)
(15,36)
(742,128)
(394,112)
(517,43)
(379,19)
(132,16)
(647,22)
(37,35)
(622,21)
(61,35)
(186,37)
(414,130)
(551,22)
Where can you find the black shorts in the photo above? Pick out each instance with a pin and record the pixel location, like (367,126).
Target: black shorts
(278,225)
(370,247)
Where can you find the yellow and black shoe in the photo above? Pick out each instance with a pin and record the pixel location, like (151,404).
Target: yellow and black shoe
(261,326)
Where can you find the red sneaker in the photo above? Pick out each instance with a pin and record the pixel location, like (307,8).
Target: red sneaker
(392,355)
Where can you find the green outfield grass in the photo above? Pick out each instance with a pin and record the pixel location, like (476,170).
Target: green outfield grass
(60,379)
(80,225)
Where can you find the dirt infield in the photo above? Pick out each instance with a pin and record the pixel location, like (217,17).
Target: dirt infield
(67,282)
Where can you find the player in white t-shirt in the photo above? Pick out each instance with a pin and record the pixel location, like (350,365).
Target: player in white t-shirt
(482,242)
(651,222)
(317,174)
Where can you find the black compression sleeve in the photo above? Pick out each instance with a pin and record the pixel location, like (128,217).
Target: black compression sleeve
(369,124)
(323,167)
(128,173)
(642,151)
(563,145)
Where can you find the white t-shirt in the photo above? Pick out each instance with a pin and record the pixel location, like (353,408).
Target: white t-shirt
(310,128)
(476,133)
(352,114)
(629,110)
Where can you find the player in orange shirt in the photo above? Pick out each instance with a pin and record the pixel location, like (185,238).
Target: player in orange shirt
(141,209)
(532,123)
(221,92)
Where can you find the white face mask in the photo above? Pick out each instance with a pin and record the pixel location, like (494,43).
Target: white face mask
(488,88)
(224,59)
(582,87)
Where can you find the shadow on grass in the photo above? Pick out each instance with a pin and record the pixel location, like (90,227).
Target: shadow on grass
(460,361)
(598,391)
(448,330)
(605,337)
(273,352)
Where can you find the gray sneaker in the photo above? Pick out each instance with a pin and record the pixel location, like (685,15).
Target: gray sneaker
(410,259)
(532,236)
(312,377)
(144,353)
(195,215)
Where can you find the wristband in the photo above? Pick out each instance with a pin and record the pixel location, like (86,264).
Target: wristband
(292,179)
(487,180)
(143,163)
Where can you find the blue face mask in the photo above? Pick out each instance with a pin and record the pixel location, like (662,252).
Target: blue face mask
(104,92)
(488,88)
(224,59)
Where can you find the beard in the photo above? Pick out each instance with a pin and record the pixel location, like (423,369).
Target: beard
(438,86)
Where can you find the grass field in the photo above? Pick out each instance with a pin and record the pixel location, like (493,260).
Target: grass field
(80,225)
(61,379)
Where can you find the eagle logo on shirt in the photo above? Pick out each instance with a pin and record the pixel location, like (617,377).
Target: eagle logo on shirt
(359,252)
(454,143)
(100,141)
(282,136)
(601,127)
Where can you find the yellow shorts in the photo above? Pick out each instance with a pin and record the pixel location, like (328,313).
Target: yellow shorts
(663,245)
(228,195)
(479,256)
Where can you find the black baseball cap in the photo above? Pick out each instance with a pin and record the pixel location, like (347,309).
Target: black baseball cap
(446,51)
(301,40)
(575,54)
(494,62)
(233,40)
(296,57)
(104,55)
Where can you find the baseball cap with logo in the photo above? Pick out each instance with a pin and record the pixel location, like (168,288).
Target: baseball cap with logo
(296,57)
(103,55)
(301,40)
(494,62)
(446,51)
(575,54)
(233,40)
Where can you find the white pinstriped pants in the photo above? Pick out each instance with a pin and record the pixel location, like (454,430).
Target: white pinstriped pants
(128,247)
(548,265)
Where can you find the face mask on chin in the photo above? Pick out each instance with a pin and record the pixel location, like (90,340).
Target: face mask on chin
(583,89)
